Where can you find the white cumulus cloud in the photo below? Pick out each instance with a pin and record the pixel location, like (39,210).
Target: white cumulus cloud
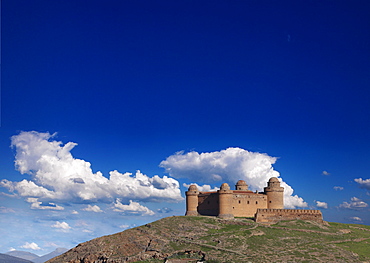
(58,176)
(202,188)
(63,226)
(356,218)
(229,165)
(325,173)
(363,183)
(133,208)
(32,245)
(355,203)
(320,204)
(35,204)
(340,188)
(93,208)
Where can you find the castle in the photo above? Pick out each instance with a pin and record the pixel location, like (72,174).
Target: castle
(265,207)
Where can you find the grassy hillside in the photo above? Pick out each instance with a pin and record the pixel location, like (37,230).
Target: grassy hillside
(240,240)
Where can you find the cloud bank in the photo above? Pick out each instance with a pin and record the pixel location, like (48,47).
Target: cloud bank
(62,226)
(35,204)
(93,208)
(356,218)
(133,208)
(355,203)
(202,188)
(31,245)
(229,165)
(320,204)
(363,183)
(57,176)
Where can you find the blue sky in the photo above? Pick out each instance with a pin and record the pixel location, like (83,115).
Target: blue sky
(186,92)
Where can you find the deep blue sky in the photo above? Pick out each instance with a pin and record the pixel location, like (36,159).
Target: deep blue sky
(133,82)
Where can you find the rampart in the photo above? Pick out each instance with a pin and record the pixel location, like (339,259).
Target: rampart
(265,207)
(241,202)
(276,215)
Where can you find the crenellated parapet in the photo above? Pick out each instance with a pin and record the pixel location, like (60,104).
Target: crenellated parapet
(275,215)
(297,211)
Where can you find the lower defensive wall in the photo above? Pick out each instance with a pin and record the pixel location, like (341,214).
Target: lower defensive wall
(276,215)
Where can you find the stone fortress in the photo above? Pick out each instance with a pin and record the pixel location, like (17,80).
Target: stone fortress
(264,207)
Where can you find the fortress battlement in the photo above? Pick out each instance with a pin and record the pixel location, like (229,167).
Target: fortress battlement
(265,207)
(297,211)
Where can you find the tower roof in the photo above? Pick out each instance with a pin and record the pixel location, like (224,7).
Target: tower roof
(274,179)
(241,182)
(193,187)
(225,186)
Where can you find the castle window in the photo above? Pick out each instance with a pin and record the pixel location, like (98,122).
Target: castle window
(248,202)
(239,201)
(256,202)
(270,202)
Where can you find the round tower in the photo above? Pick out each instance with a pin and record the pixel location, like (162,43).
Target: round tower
(275,194)
(225,201)
(192,201)
(241,185)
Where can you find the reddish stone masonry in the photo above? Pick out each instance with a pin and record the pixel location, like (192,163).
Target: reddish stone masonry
(276,215)
(265,207)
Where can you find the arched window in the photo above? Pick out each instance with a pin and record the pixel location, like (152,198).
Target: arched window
(256,202)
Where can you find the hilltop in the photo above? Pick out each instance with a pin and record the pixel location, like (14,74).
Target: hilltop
(211,239)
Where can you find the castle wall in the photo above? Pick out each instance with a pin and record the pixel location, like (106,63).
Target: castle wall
(246,204)
(242,203)
(265,207)
(208,204)
(276,215)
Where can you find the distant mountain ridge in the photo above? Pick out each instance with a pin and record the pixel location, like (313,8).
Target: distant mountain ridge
(210,239)
(51,255)
(22,254)
(30,257)
(4,258)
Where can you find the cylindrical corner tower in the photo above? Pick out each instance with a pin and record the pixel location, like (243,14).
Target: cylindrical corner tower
(275,194)
(192,201)
(225,196)
(241,185)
